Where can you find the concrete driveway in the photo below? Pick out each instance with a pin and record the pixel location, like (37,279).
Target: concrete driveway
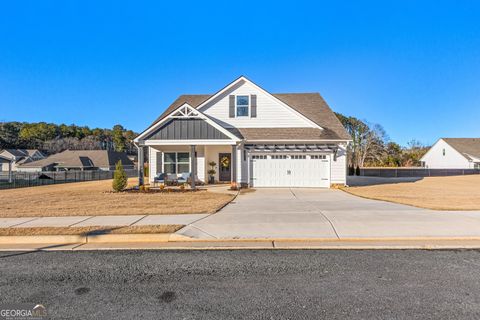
(330,214)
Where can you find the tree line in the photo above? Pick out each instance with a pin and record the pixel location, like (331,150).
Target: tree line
(52,138)
(371,146)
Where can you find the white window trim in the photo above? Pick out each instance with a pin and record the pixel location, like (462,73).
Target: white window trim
(248,107)
(176,162)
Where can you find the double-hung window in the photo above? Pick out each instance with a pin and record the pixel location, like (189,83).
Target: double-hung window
(242,105)
(176,162)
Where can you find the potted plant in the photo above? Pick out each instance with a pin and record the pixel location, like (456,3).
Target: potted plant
(211,172)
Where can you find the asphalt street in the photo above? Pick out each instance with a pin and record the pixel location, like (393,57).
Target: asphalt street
(262,284)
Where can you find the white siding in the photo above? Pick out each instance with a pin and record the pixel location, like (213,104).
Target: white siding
(243,162)
(434,158)
(270,113)
(211,154)
(152,163)
(339,167)
(29,169)
(201,172)
(239,164)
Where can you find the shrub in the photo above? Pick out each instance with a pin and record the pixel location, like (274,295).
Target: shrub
(162,186)
(351,170)
(357,171)
(120,179)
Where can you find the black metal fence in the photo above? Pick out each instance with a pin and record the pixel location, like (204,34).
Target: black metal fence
(415,172)
(32,179)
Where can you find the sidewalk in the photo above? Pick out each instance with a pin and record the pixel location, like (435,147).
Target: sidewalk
(87,221)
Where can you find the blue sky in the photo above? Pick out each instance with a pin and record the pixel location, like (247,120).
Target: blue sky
(412,66)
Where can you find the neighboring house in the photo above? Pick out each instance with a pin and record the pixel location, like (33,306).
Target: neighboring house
(79,160)
(5,161)
(453,153)
(19,156)
(256,138)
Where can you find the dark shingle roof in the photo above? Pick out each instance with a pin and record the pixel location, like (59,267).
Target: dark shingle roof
(310,105)
(82,158)
(466,146)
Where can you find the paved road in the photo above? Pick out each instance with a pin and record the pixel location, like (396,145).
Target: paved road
(326,213)
(246,284)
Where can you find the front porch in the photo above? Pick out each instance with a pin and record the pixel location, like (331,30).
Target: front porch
(195,163)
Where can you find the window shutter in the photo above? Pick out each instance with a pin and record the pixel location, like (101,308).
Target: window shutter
(231,106)
(253,107)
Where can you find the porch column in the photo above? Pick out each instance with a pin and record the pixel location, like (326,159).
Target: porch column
(193,166)
(234,166)
(140,165)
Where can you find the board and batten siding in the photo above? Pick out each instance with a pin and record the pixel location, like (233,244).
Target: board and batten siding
(434,158)
(338,168)
(269,113)
(186,129)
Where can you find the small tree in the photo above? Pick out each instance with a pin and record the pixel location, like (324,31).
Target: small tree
(120,179)
(351,170)
(357,171)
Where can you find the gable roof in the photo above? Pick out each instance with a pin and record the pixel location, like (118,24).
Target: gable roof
(4,159)
(187,111)
(81,159)
(468,147)
(21,152)
(310,105)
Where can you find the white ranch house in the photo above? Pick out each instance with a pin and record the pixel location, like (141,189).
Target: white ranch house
(453,153)
(256,139)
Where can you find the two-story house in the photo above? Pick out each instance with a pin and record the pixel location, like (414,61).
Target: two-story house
(255,138)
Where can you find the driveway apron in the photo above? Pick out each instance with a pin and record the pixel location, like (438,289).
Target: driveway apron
(329,214)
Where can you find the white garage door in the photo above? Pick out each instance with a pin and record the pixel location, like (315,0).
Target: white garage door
(290,170)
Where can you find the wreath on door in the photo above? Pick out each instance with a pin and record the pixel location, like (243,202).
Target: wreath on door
(225,162)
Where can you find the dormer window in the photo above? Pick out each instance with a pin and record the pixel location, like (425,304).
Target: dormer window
(242,106)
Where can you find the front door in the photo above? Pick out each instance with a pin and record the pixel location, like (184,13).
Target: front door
(224,160)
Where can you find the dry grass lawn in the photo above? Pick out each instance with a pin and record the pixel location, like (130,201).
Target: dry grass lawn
(43,231)
(95,198)
(439,193)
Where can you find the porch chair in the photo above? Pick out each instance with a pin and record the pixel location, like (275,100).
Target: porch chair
(184,177)
(159,178)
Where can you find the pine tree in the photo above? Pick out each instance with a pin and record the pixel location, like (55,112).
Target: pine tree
(118,139)
(120,179)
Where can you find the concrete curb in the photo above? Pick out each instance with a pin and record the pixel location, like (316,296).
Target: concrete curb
(175,241)
(181,238)
(114,238)
(60,239)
